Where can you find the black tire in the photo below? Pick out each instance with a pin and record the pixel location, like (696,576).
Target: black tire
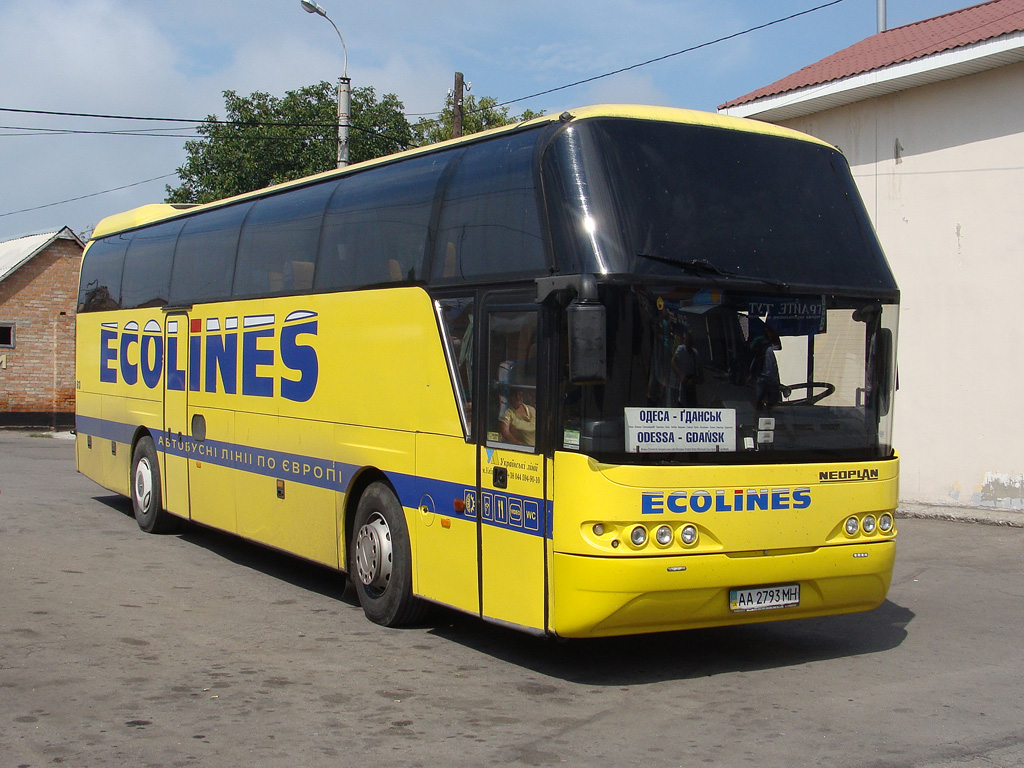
(147,491)
(380,560)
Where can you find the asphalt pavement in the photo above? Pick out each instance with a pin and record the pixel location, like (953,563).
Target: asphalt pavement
(119,648)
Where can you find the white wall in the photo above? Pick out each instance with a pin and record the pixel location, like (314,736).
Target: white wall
(950,215)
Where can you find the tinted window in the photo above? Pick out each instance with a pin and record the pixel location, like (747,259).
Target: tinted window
(631,196)
(489,221)
(147,268)
(100,286)
(204,261)
(277,250)
(512,378)
(377,225)
(457,328)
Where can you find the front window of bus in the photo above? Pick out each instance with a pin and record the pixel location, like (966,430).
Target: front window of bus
(705,375)
(747,298)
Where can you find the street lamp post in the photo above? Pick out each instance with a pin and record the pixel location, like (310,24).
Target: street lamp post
(344,86)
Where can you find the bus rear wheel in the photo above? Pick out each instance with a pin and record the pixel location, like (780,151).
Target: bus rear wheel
(146,490)
(380,560)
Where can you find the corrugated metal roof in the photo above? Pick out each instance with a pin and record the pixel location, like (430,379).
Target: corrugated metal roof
(950,31)
(15,253)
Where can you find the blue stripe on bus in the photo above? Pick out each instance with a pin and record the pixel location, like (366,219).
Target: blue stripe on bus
(523,514)
(107,430)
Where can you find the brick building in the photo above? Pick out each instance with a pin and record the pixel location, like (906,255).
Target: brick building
(38,297)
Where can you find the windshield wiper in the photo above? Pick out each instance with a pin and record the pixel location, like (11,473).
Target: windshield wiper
(704,268)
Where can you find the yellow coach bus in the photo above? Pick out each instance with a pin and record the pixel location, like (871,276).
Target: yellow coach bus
(618,370)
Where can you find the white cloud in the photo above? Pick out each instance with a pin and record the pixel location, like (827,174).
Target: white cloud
(175,57)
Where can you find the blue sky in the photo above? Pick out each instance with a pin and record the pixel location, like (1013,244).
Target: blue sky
(173,58)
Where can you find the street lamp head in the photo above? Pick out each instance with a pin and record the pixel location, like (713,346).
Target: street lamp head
(310,6)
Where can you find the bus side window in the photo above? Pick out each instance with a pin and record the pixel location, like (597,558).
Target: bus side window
(458,328)
(148,264)
(277,249)
(102,269)
(489,222)
(512,368)
(377,224)
(204,259)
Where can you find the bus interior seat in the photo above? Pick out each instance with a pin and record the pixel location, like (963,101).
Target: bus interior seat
(302,275)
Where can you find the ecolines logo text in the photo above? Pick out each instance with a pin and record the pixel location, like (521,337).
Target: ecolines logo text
(726,501)
(127,355)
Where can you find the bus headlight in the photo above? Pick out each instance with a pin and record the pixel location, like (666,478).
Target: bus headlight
(688,535)
(638,536)
(663,536)
(885,523)
(869,524)
(852,526)
(598,529)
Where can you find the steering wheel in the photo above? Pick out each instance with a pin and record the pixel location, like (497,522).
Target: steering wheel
(811,397)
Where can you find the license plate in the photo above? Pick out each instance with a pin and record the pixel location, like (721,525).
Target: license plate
(764,598)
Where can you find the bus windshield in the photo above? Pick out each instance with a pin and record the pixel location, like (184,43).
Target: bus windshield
(662,199)
(705,375)
(745,291)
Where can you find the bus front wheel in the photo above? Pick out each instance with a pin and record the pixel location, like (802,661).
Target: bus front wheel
(146,490)
(380,560)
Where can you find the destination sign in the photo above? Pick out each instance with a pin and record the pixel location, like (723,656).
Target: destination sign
(671,430)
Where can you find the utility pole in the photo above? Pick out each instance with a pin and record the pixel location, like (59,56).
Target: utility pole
(344,109)
(457,107)
(344,85)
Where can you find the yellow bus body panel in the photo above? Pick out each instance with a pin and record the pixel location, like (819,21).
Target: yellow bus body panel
(278,471)
(444,540)
(757,526)
(513,568)
(272,469)
(595,597)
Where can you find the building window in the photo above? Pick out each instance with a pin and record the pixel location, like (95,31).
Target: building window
(6,335)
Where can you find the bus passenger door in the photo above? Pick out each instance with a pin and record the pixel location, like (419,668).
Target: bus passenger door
(213,457)
(512,511)
(198,479)
(171,442)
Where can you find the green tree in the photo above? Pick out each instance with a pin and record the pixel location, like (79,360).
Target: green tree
(477,115)
(266,140)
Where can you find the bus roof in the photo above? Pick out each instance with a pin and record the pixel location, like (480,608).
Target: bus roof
(154,212)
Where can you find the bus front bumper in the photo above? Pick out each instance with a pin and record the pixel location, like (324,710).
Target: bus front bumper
(605,596)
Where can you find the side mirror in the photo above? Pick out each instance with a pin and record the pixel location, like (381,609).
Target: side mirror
(587,321)
(588,342)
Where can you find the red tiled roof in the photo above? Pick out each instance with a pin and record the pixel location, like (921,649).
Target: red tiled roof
(913,41)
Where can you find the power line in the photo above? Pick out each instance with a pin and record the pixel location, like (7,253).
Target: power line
(203,121)
(100,116)
(155,133)
(94,194)
(670,55)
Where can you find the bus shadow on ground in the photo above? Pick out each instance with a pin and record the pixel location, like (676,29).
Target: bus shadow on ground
(118,503)
(695,653)
(286,568)
(618,661)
